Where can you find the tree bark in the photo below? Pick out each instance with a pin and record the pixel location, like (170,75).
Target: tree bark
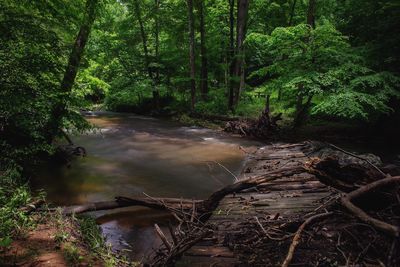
(302,110)
(243,6)
(138,14)
(231,51)
(191,55)
(72,68)
(285,57)
(157,37)
(311,13)
(203,53)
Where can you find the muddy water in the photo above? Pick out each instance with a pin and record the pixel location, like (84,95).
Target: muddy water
(129,155)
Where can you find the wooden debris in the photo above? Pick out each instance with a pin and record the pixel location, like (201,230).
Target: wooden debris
(362,215)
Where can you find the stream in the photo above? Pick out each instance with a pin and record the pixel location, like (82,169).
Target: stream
(128,155)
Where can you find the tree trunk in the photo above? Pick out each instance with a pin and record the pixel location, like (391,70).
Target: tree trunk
(231,52)
(243,6)
(285,57)
(293,8)
(203,54)
(138,14)
(72,68)
(311,13)
(191,54)
(302,111)
(157,37)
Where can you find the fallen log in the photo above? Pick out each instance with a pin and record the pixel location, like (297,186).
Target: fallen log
(203,207)
(212,202)
(121,202)
(343,177)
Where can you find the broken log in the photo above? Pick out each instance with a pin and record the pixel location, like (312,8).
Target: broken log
(346,178)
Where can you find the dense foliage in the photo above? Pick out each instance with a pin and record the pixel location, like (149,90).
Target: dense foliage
(336,59)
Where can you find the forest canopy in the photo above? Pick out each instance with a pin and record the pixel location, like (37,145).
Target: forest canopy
(330,60)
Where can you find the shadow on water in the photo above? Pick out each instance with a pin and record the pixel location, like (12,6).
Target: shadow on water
(129,155)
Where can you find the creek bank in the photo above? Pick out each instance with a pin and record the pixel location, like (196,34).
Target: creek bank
(59,241)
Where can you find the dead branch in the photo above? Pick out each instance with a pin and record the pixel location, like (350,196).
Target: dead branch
(362,215)
(121,202)
(192,237)
(296,238)
(358,157)
(162,237)
(32,206)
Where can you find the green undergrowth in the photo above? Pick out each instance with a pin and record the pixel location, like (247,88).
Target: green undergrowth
(13,196)
(96,242)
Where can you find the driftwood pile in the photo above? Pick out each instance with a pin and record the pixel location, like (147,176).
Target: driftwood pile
(260,128)
(358,223)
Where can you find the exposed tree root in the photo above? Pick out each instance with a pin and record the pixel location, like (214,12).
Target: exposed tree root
(260,128)
(362,215)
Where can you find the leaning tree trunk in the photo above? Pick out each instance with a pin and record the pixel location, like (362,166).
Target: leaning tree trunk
(191,55)
(72,68)
(203,54)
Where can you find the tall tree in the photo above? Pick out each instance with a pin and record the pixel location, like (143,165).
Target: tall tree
(241,23)
(302,109)
(203,53)
(143,35)
(72,67)
(191,54)
(311,13)
(157,37)
(231,52)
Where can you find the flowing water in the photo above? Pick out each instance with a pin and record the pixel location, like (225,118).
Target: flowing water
(129,155)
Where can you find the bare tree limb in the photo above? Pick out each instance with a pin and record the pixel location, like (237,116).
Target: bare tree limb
(362,215)
(358,157)
(297,236)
